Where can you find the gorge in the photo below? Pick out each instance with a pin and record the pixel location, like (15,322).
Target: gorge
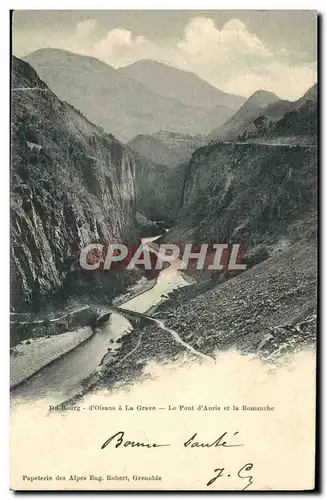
(73,184)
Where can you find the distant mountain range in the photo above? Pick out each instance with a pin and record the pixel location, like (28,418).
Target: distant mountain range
(182,85)
(147,97)
(124,107)
(266,107)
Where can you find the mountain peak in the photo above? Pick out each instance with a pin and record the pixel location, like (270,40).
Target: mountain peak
(310,95)
(262,98)
(252,108)
(56,55)
(158,66)
(145,61)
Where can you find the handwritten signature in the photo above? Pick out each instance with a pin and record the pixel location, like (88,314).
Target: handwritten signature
(241,474)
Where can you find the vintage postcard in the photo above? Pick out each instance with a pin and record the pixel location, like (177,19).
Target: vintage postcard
(163,250)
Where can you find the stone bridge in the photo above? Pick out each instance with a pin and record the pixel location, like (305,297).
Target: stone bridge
(137,320)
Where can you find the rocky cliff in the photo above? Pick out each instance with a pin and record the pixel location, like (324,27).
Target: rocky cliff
(158,189)
(160,165)
(71,184)
(251,194)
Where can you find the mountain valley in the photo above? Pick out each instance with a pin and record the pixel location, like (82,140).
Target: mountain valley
(248,177)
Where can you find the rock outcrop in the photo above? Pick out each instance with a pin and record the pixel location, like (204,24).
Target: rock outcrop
(259,189)
(158,189)
(71,184)
(249,194)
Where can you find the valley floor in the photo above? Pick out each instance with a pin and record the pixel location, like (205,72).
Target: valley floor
(269,311)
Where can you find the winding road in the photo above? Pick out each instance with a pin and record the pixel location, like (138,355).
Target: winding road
(30,88)
(53,320)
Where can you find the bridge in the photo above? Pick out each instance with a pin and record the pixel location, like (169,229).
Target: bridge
(137,320)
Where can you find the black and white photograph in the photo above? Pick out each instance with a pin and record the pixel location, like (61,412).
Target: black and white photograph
(163,249)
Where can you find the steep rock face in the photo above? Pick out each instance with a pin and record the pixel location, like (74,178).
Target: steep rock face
(158,189)
(247,194)
(71,185)
(160,165)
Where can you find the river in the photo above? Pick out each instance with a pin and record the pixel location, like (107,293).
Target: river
(63,378)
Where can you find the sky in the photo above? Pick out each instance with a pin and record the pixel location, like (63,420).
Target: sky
(237,51)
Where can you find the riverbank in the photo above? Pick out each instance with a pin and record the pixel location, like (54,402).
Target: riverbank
(30,356)
(35,343)
(267,311)
(24,330)
(134,291)
(62,379)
